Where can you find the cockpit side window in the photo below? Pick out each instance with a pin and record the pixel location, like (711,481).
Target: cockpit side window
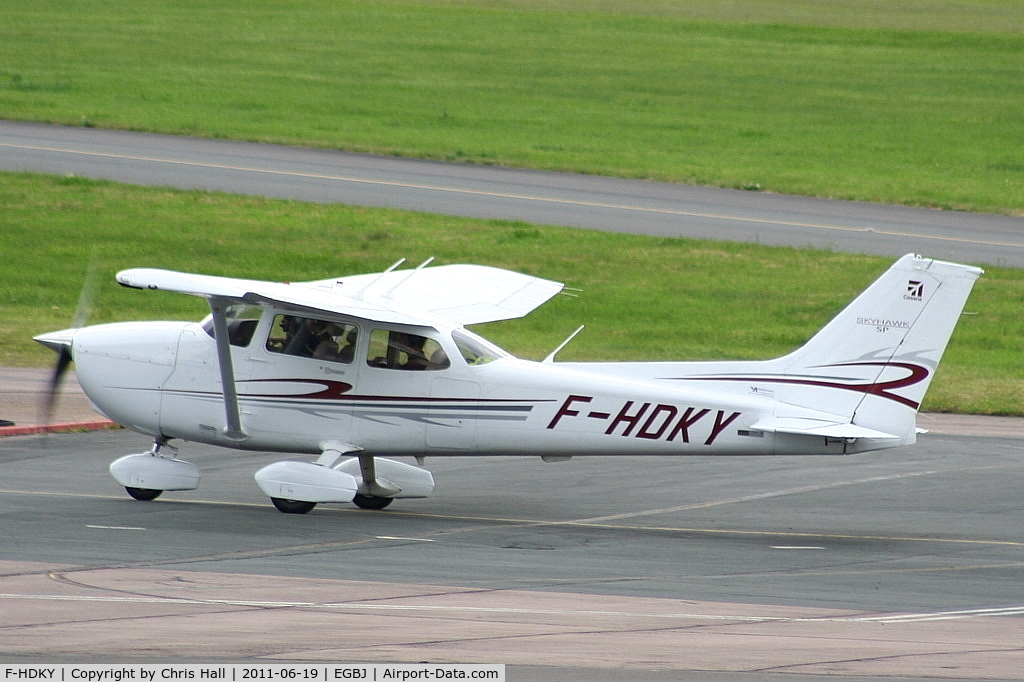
(391,349)
(312,338)
(242,320)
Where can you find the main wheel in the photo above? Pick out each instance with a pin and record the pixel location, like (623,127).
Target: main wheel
(292,506)
(144,494)
(371,501)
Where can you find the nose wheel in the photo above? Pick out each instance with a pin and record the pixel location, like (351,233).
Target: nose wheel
(147,474)
(143,494)
(292,506)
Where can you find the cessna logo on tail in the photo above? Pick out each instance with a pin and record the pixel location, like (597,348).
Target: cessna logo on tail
(915,290)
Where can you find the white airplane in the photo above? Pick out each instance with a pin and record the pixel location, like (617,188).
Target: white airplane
(378,366)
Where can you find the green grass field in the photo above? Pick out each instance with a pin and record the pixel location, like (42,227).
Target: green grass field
(912,102)
(650,298)
(916,102)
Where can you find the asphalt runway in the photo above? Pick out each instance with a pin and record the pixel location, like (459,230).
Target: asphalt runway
(537,197)
(905,564)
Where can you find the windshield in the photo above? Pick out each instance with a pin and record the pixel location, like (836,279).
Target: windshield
(242,320)
(475,350)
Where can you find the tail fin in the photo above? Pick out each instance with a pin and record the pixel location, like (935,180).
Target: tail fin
(881,351)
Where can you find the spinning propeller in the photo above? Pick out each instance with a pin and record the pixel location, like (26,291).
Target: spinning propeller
(60,342)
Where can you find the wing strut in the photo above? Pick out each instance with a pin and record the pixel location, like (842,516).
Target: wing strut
(234,430)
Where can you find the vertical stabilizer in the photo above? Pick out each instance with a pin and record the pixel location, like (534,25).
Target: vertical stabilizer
(874,361)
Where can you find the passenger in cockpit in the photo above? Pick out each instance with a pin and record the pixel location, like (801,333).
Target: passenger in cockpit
(337,343)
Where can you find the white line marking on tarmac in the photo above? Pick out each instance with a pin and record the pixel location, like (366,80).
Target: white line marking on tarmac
(359,606)
(89,525)
(397,537)
(943,615)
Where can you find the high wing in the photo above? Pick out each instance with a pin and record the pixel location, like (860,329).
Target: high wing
(458,294)
(455,294)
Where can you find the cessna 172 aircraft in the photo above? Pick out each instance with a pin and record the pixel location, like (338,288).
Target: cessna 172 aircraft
(377,366)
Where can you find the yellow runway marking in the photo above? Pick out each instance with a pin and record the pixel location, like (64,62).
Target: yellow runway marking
(520,197)
(578,523)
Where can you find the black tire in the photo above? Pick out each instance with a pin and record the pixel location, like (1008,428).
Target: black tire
(292,506)
(144,494)
(371,501)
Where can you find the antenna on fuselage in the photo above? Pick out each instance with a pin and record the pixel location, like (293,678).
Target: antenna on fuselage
(551,357)
(390,292)
(359,294)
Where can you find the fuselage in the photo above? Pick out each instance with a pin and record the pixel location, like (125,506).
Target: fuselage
(398,390)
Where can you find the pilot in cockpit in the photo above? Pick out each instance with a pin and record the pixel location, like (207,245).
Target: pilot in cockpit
(410,345)
(338,343)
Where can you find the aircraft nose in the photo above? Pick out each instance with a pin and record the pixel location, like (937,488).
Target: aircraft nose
(122,367)
(57,341)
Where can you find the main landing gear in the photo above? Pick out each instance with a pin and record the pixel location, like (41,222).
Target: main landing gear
(292,506)
(368,482)
(294,487)
(371,501)
(300,507)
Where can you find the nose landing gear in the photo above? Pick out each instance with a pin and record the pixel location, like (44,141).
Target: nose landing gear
(145,475)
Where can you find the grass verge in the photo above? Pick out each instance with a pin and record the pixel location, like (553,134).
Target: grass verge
(917,104)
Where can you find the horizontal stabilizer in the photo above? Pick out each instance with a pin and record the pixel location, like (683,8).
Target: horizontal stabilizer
(817,427)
